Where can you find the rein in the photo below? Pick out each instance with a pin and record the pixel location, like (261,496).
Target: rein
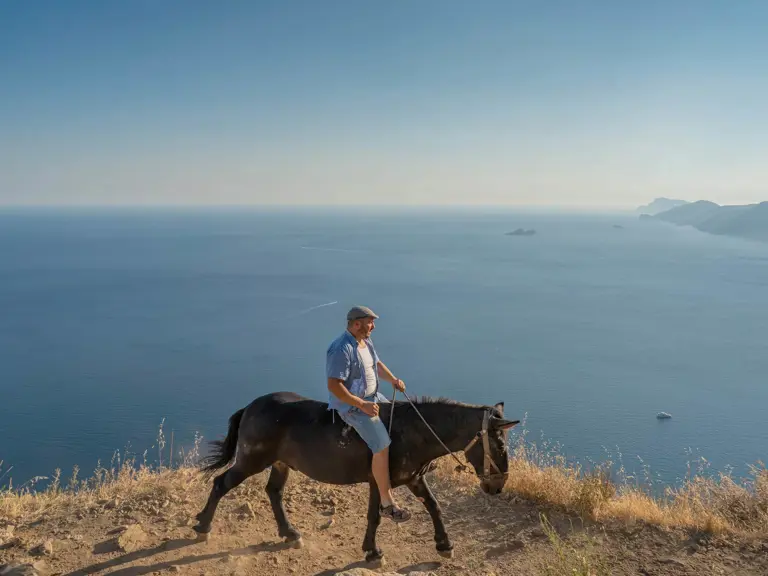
(487,460)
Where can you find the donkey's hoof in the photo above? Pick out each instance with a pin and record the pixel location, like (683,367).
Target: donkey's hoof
(296,543)
(292,538)
(446,553)
(203,536)
(375,559)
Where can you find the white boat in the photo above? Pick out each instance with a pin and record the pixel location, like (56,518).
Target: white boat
(663,415)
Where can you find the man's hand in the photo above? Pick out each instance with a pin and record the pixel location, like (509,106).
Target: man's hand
(399,385)
(370,408)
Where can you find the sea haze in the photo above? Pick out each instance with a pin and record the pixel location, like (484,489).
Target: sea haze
(115,319)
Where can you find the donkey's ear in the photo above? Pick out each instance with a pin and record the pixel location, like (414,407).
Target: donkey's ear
(500,407)
(504,424)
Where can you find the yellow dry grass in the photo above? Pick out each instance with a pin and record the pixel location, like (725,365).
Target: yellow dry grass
(711,504)
(106,486)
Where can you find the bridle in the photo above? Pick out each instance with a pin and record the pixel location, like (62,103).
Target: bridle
(488,462)
(487,459)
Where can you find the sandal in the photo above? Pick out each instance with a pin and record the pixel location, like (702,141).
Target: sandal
(396,513)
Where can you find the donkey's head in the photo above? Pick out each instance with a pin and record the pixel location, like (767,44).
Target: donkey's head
(487,453)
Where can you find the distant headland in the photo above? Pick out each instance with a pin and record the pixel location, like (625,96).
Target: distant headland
(744,221)
(660,205)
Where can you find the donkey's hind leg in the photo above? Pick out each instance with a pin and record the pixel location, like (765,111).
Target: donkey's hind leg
(277,479)
(221,485)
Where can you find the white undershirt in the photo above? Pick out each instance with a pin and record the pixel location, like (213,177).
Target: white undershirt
(370,375)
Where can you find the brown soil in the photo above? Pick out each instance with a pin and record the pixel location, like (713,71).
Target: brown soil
(492,535)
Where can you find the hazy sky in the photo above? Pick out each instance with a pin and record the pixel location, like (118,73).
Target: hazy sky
(537,102)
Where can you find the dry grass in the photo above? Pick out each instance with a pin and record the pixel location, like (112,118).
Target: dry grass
(124,479)
(565,558)
(715,505)
(127,483)
(711,504)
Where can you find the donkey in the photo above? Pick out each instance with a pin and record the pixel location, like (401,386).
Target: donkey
(289,432)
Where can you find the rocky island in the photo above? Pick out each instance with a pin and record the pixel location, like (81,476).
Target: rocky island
(521,232)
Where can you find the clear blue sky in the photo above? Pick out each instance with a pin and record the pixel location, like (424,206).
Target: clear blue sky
(566,102)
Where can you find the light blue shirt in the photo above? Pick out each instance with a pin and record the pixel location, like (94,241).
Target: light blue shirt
(343,362)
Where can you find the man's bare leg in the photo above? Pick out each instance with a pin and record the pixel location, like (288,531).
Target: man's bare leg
(380,468)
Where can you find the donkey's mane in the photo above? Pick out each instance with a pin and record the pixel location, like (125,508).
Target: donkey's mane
(446,401)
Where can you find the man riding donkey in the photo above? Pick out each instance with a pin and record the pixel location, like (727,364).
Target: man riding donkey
(353,369)
(284,431)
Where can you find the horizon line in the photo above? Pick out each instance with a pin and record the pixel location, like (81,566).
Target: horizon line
(328,206)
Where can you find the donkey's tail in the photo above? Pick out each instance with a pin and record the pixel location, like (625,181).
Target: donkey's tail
(223,450)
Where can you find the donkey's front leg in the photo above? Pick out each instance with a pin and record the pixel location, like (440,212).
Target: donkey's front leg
(372,553)
(420,489)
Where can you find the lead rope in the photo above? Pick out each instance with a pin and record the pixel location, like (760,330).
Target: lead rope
(391,417)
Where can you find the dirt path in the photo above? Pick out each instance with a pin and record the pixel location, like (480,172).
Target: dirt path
(492,535)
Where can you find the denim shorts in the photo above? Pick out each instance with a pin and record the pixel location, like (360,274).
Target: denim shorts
(370,429)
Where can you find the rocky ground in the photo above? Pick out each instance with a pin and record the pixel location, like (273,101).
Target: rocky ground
(148,531)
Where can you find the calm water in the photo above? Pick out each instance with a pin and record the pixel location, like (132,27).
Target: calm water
(111,321)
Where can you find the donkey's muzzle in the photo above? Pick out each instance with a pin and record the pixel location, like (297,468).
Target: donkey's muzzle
(494,484)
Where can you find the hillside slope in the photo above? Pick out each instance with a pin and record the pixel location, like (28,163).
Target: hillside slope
(141,525)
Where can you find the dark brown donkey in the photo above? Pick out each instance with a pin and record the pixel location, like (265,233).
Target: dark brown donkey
(288,432)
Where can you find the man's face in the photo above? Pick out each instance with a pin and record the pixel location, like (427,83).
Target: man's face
(364,327)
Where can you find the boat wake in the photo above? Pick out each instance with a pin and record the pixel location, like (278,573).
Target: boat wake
(308,310)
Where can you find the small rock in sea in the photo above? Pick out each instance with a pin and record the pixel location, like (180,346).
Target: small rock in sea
(521,232)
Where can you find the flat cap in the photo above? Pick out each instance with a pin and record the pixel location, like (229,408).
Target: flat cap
(359,312)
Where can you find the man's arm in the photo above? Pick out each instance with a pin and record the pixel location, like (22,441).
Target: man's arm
(387,375)
(337,388)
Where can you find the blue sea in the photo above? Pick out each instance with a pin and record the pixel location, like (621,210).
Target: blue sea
(112,321)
